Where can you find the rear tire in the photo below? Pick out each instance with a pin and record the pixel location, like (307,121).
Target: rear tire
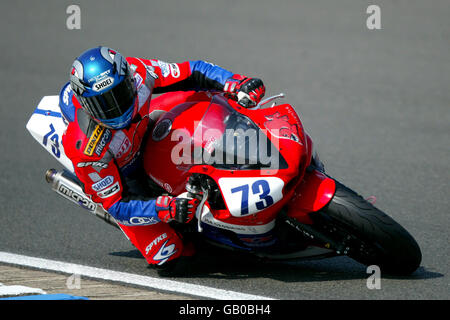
(371,237)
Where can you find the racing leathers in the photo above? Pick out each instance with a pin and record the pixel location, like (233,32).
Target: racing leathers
(108,162)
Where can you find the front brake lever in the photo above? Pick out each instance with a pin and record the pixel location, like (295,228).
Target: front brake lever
(267,100)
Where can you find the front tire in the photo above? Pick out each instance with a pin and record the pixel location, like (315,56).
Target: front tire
(366,234)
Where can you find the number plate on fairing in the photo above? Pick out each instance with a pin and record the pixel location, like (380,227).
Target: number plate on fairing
(245,196)
(47,127)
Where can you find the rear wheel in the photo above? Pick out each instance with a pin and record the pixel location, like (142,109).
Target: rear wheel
(366,234)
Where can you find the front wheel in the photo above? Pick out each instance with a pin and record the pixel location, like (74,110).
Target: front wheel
(366,234)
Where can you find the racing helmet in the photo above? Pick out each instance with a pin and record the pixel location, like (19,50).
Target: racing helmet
(104,85)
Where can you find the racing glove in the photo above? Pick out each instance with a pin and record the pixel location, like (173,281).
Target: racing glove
(248,91)
(179,209)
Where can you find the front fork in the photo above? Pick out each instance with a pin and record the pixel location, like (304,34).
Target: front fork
(314,192)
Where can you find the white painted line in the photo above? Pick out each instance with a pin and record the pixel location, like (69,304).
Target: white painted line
(18,290)
(128,278)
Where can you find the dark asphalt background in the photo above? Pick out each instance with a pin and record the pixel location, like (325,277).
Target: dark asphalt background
(376,102)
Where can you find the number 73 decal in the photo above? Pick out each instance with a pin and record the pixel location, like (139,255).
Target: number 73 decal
(245,196)
(54,138)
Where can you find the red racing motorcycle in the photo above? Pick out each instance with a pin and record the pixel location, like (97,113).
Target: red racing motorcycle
(262,187)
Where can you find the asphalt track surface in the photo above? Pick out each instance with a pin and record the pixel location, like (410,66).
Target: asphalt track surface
(376,102)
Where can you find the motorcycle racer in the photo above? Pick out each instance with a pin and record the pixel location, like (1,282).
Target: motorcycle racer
(107,108)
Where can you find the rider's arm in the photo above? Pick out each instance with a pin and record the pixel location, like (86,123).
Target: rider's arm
(102,181)
(199,75)
(202,75)
(97,170)
(188,75)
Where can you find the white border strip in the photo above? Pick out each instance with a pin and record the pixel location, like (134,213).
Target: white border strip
(18,290)
(128,278)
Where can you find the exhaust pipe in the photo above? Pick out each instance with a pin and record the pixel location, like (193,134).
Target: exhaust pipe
(67,185)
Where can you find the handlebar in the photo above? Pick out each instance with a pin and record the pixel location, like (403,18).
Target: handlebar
(267,100)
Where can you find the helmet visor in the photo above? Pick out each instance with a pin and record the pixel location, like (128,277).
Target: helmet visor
(113,103)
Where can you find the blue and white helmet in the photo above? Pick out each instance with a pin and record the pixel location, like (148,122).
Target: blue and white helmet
(104,85)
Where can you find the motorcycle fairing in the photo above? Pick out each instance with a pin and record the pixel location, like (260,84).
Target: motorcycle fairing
(313,193)
(46,125)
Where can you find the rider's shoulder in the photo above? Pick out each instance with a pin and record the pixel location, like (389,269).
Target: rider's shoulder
(137,64)
(142,65)
(87,143)
(84,137)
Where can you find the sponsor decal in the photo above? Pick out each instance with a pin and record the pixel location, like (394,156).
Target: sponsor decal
(154,242)
(151,71)
(174,70)
(100,77)
(93,140)
(102,85)
(142,221)
(165,69)
(242,230)
(163,185)
(66,95)
(76,197)
(115,188)
(93,164)
(168,187)
(279,125)
(124,147)
(103,184)
(105,138)
(165,252)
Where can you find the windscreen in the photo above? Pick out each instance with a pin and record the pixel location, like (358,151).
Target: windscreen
(227,139)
